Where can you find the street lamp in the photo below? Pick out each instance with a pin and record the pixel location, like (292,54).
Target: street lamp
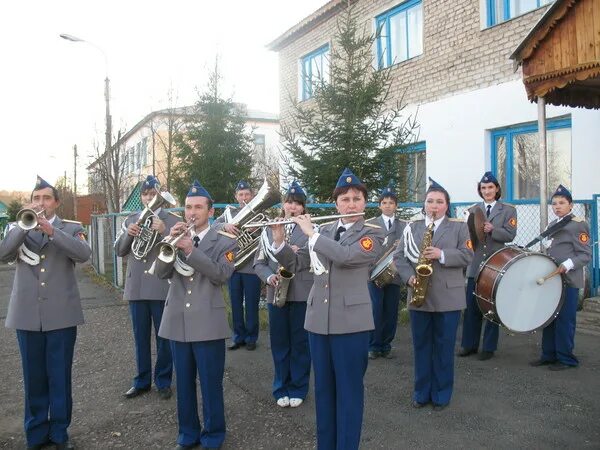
(108,132)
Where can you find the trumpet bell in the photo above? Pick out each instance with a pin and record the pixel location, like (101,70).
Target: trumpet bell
(27,219)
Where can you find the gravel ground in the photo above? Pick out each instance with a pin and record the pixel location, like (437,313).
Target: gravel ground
(501,403)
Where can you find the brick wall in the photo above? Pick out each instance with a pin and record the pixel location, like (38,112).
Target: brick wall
(458,55)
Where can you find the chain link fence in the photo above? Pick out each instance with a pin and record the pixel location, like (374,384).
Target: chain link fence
(105,228)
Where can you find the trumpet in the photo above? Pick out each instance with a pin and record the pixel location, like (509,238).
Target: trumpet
(27,218)
(312,219)
(166,248)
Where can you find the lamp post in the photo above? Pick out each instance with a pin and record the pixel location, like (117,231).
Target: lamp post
(108,119)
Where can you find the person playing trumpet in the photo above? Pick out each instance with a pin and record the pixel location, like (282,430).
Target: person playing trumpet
(195,320)
(339,316)
(146,295)
(45,310)
(289,339)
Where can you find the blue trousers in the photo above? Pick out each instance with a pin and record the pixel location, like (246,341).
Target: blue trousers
(290,350)
(207,360)
(558,338)
(244,290)
(145,313)
(47,359)
(472,322)
(434,337)
(385,314)
(339,363)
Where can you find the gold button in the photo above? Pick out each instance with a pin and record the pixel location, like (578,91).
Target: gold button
(325,301)
(189,292)
(187,305)
(43,256)
(145,271)
(326,285)
(42,270)
(191,278)
(144,260)
(43,284)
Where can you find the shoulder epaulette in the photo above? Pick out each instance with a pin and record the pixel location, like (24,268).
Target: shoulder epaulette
(225,233)
(370,219)
(578,219)
(71,221)
(371,225)
(474,204)
(326,223)
(455,219)
(176,215)
(509,204)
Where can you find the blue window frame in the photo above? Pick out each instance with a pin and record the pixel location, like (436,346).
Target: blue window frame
(515,158)
(411,172)
(399,33)
(314,69)
(502,10)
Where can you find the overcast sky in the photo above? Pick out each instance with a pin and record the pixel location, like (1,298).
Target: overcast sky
(51,90)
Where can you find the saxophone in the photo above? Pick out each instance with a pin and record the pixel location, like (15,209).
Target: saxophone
(285,278)
(423,270)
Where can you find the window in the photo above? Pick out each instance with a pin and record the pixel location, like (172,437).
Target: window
(400,33)
(411,173)
(314,70)
(138,156)
(259,145)
(144,151)
(515,158)
(502,10)
(131,160)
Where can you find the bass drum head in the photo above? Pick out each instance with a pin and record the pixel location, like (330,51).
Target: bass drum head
(522,305)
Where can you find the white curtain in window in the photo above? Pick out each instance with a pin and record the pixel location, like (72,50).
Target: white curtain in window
(398,35)
(415,31)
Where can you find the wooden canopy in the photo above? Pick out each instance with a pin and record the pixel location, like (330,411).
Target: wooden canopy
(561,55)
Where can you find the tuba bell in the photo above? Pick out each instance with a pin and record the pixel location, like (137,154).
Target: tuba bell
(144,242)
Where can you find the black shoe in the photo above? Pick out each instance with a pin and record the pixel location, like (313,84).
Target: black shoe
(374,355)
(439,407)
(39,446)
(387,355)
(165,393)
(134,392)
(250,346)
(236,345)
(467,351)
(65,446)
(541,362)
(185,447)
(417,405)
(484,356)
(560,366)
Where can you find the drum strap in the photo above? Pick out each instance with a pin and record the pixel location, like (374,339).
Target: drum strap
(551,230)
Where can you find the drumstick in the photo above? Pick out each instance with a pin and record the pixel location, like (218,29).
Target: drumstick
(541,281)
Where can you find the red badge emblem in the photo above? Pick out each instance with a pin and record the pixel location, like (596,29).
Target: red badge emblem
(469,244)
(584,238)
(513,222)
(230,256)
(367,244)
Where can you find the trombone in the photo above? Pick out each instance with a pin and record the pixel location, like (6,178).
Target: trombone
(166,248)
(27,218)
(312,219)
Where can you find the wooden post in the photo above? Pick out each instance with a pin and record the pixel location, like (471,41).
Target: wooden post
(541,107)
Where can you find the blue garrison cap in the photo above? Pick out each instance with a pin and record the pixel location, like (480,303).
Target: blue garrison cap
(561,190)
(347,178)
(434,185)
(197,190)
(151,182)
(40,183)
(388,191)
(488,177)
(242,185)
(295,189)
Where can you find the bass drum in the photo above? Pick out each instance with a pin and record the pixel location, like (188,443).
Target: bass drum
(508,293)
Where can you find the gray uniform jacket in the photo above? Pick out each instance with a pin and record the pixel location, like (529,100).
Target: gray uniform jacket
(45,297)
(446,289)
(248,267)
(504,219)
(391,236)
(339,301)
(139,284)
(195,308)
(302,281)
(572,241)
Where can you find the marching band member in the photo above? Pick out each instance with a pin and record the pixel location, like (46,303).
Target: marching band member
(244,285)
(500,228)
(570,247)
(45,309)
(289,339)
(385,300)
(146,295)
(195,321)
(339,316)
(434,324)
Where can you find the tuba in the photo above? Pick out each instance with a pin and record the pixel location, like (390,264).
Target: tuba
(424,270)
(144,242)
(285,278)
(248,239)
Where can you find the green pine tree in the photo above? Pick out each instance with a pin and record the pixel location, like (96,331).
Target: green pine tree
(215,147)
(349,121)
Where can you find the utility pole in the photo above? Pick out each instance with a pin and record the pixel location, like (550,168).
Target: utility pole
(75,182)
